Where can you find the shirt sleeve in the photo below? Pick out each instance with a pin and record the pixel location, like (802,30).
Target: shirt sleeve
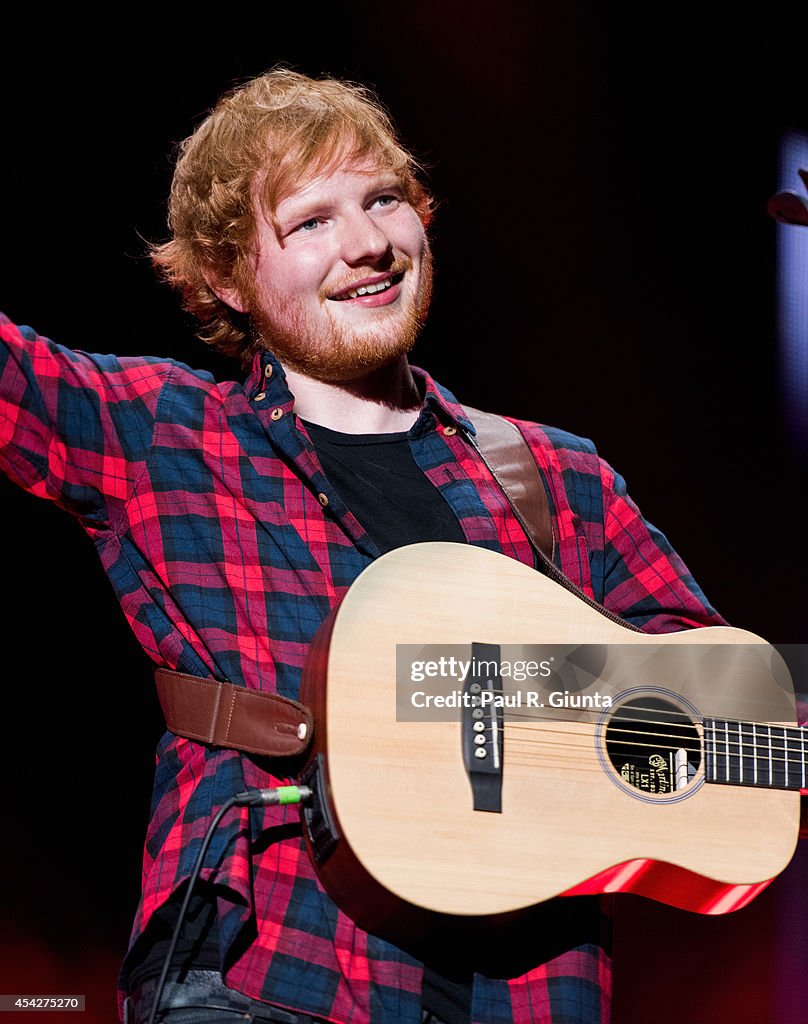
(75,428)
(645,581)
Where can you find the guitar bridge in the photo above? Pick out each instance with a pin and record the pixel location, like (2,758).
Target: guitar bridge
(482,732)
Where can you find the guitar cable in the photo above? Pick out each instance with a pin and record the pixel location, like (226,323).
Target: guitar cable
(281,795)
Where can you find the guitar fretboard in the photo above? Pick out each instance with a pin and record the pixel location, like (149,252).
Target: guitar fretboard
(751,754)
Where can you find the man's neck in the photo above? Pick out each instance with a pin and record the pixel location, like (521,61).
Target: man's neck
(384,402)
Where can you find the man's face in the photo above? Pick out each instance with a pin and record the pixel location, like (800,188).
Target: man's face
(344,287)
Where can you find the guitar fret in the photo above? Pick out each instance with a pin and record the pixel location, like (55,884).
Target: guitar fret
(793,747)
(733,756)
(726,751)
(754,751)
(740,750)
(778,754)
(770,754)
(748,752)
(796,757)
(709,748)
(765,758)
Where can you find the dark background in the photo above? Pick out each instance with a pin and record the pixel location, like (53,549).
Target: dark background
(605,264)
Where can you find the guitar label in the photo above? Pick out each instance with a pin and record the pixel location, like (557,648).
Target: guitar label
(655,776)
(647,738)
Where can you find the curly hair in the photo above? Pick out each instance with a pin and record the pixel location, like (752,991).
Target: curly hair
(263,138)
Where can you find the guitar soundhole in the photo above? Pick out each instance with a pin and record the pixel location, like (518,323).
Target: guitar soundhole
(653,745)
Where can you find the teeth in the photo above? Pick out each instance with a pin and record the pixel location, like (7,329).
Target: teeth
(369,289)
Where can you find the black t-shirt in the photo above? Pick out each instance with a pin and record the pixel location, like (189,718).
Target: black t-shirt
(380,482)
(378,479)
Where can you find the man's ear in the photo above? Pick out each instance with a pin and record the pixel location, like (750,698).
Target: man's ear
(226,291)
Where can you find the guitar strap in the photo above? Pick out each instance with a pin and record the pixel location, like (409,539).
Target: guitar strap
(513,466)
(223,715)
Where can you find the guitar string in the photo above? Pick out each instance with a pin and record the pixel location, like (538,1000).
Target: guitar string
(720,757)
(687,743)
(694,745)
(516,756)
(690,745)
(570,767)
(531,742)
(733,722)
(794,734)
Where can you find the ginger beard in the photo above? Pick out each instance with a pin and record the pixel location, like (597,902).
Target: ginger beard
(343,346)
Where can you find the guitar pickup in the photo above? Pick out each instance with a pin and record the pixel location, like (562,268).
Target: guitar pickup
(482,728)
(318,819)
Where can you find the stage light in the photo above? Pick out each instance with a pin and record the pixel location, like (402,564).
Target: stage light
(790,208)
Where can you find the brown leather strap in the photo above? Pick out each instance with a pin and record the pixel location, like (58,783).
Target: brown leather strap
(508,456)
(224,715)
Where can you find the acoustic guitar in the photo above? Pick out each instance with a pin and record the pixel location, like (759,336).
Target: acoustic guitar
(486,741)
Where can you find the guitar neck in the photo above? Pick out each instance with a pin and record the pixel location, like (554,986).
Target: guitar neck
(751,754)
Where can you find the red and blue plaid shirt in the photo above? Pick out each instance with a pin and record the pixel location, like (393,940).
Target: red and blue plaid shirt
(204,502)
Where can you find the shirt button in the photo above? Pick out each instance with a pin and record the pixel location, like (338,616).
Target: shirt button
(450,431)
(268,370)
(276,414)
(260,397)
(323,499)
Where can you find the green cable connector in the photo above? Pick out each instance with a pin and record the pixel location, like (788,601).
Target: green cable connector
(289,794)
(272,797)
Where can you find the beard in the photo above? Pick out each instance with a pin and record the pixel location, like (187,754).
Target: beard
(335,352)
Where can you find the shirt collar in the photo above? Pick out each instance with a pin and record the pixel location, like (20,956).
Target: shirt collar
(441,401)
(268,376)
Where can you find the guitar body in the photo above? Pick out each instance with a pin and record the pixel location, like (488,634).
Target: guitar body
(395,835)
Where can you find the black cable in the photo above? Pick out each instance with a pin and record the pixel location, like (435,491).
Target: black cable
(249,798)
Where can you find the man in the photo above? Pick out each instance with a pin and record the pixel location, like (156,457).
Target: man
(231,518)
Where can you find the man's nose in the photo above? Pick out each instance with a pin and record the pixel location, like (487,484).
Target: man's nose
(362,240)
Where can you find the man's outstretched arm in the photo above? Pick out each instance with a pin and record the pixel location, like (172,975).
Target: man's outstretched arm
(74,428)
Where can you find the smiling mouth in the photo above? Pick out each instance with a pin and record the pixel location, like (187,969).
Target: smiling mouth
(367,289)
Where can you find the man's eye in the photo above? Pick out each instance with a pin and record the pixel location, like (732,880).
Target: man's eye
(308,225)
(385,201)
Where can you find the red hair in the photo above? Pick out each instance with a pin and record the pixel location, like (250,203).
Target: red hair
(264,138)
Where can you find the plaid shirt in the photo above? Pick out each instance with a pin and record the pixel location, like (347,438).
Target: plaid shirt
(206,503)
